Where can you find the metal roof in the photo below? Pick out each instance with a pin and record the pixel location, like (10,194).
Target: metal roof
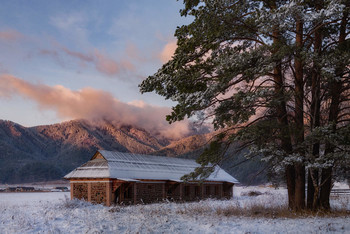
(127,166)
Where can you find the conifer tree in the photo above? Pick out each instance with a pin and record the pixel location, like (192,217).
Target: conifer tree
(274,75)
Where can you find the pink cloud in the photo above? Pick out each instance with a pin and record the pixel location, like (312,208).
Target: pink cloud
(78,55)
(54,55)
(100,60)
(168,51)
(109,66)
(10,35)
(106,65)
(89,103)
(134,53)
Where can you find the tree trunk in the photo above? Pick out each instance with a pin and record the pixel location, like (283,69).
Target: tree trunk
(326,187)
(282,117)
(316,200)
(313,183)
(299,116)
(290,179)
(312,190)
(299,187)
(335,91)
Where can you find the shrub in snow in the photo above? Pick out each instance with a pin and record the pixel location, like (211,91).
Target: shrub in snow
(114,209)
(74,203)
(251,193)
(245,214)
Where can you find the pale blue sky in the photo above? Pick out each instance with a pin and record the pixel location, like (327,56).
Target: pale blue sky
(107,46)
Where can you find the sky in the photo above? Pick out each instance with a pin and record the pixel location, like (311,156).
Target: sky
(63,60)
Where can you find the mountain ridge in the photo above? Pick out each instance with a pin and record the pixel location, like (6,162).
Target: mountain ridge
(48,152)
(62,146)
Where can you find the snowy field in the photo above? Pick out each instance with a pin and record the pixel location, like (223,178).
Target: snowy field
(54,213)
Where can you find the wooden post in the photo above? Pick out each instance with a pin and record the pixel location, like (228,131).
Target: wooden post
(163,191)
(181,191)
(121,192)
(89,192)
(221,190)
(233,185)
(108,193)
(135,193)
(112,192)
(202,190)
(71,190)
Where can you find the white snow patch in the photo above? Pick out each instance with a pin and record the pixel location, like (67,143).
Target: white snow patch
(53,213)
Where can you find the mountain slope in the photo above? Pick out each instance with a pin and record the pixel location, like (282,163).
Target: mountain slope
(48,152)
(185,146)
(246,171)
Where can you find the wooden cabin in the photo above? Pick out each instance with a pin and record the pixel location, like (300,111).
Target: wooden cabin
(114,177)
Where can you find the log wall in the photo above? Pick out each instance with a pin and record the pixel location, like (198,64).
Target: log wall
(105,192)
(80,191)
(99,193)
(93,191)
(149,192)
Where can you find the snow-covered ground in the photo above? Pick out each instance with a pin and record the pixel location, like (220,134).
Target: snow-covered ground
(54,213)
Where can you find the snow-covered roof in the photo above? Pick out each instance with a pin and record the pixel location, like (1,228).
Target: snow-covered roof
(131,167)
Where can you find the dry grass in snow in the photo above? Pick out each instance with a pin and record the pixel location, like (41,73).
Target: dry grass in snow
(264,213)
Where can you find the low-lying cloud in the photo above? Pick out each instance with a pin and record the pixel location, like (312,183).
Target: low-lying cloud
(89,103)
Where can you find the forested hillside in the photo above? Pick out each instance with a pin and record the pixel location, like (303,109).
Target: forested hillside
(49,152)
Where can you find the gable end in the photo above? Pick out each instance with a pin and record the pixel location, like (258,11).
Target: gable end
(97,155)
